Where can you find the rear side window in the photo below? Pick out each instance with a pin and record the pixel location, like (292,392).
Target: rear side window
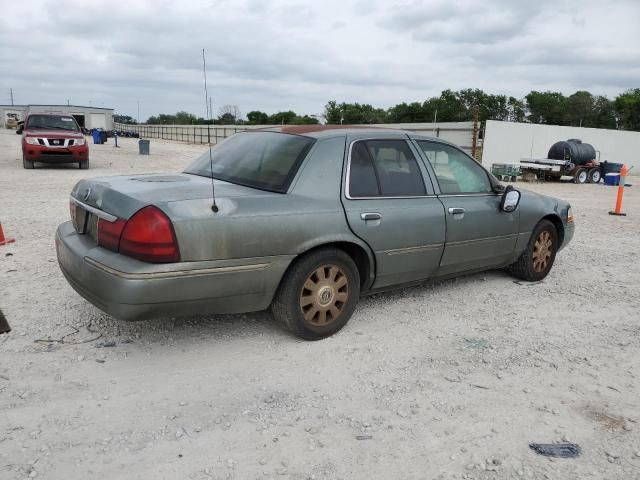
(455,171)
(262,160)
(384,168)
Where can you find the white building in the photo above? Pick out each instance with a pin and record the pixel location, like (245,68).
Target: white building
(88,117)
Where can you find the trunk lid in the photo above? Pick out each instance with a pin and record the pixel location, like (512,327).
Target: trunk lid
(124,195)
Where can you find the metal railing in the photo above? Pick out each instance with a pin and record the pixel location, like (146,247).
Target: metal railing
(198,134)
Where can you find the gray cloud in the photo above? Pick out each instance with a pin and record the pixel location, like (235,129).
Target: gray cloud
(293,54)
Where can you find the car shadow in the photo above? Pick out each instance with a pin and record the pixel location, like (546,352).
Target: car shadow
(255,327)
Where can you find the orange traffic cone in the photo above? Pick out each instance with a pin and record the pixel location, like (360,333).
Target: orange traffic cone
(623,179)
(3,240)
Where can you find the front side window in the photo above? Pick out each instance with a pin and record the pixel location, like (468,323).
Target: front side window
(262,160)
(455,171)
(52,122)
(384,168)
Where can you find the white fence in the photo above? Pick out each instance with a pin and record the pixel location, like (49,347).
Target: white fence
(459,133)
(508,142)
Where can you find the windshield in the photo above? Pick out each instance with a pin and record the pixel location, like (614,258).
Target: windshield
(263,160)
(55,122)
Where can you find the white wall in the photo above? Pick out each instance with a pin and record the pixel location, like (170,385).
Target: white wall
(508,142)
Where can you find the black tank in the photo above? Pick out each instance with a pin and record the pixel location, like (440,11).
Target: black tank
(573,150)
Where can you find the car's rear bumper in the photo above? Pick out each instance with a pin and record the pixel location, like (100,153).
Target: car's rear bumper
(133,290)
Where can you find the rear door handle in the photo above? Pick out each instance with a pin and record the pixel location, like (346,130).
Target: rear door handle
(370,216)
(456,210)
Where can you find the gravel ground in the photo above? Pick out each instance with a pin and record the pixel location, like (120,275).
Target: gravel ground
(450,380)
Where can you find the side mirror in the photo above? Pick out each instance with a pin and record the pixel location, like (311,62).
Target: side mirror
(510,199)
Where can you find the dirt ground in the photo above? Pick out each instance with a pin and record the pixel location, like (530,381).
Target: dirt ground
(450,380)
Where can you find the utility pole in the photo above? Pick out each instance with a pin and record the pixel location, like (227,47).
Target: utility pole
(210,106)
(11,95)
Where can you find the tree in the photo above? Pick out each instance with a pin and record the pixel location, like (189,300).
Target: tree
(229,115)
(604,113)
(516,110)
(126,119)
(627,107)
(305,120)
(283,118)
(185,118)
(547,107)
(580,109)
(353,113)
(256,117)
(406,113)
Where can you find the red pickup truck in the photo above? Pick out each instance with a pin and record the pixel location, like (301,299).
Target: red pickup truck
(51,138)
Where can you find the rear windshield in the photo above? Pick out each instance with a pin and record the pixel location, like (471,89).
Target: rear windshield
(55,122)
(263,160)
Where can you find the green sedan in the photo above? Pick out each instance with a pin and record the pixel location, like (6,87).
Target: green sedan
(302,220)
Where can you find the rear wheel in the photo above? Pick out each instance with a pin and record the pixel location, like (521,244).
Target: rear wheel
(26,163)
(536,261)
(318,294)
(84,165)
(581,176)
(595,176)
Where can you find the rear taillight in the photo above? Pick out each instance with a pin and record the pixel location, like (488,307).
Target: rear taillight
(109,233)
(148,236)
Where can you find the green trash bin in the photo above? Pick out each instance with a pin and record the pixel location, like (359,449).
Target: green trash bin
(143,147)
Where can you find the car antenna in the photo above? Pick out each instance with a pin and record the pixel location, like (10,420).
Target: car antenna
(214,207)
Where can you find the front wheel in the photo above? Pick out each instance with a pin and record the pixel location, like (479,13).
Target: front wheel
(318,294)
(536,261)
(84,165)
(28,164)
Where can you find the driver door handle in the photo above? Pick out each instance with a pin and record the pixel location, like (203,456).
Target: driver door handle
(455,210)
(370,216)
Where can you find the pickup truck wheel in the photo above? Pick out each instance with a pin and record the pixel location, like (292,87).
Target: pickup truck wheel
(84,165)
(536,261)
(26,163)
(318,294)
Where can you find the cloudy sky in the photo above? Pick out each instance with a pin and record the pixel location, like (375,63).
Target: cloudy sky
(279,55)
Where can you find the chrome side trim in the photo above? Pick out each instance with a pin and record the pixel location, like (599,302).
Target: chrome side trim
(452,195)
(98,213)
(176,273)
(420,248)
(476,240)
(348,179)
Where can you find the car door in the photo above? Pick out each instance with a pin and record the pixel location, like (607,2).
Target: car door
(392,208)
(479,234)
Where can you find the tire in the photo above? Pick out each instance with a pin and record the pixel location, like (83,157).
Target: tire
(595,176)
(318,294)
(536,261)
(28,164)
(84,165)
(581,176)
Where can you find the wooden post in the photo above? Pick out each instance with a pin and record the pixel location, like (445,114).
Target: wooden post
(474,141)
